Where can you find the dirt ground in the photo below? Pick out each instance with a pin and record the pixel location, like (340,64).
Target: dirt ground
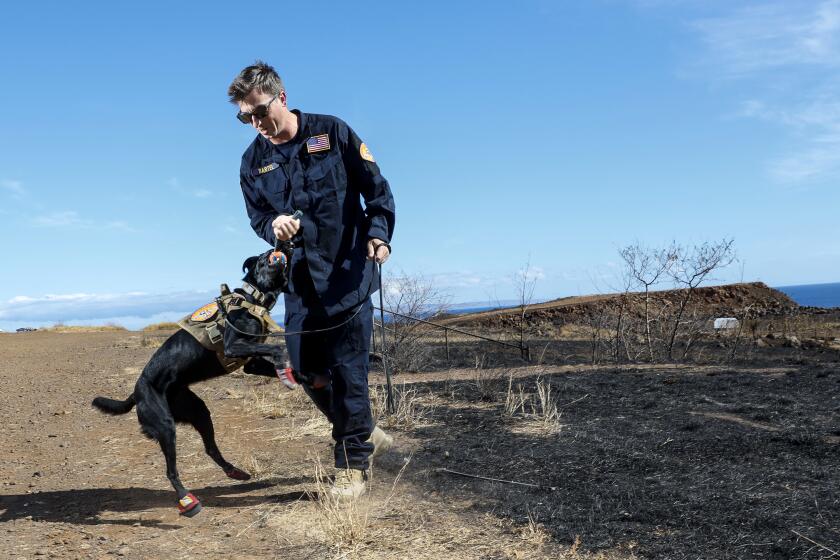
(629,462)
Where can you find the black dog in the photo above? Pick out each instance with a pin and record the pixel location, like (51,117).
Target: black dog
(162,393)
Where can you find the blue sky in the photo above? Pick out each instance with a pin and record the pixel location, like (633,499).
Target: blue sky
(549,132)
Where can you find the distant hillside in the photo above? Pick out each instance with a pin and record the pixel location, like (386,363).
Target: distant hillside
(722,301)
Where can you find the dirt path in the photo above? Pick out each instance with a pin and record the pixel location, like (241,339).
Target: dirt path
(79,484)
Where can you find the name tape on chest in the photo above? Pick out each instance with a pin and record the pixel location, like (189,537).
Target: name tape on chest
(267,168)
(318,143)
(365,153)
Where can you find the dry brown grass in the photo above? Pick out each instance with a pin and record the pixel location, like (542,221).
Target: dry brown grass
(539,407)
(152,341)
(347,524)
(410,408)
(164,326)
(489,383)
(268,402)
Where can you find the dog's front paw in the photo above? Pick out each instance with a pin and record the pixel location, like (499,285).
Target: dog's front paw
(288,377)
(237,474)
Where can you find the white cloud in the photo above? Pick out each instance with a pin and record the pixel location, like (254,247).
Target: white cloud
(53,308)
(71,219)
(175,184)
(59,219)
(775,35)
(12,186)
(789,52)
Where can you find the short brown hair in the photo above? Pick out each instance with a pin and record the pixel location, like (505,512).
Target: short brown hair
(260,77)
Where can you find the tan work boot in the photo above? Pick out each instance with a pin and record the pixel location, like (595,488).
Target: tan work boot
(349,484)
(381,441)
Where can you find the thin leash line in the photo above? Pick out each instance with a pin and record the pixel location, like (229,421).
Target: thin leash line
(230,324)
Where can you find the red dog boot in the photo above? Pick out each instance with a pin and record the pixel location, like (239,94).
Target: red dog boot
(287,377)
(238,474)
(189,505)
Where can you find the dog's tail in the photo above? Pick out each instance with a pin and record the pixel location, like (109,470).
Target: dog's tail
(113,406)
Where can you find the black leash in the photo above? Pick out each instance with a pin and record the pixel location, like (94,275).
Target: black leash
(389,386)
(230,324)
(325,329)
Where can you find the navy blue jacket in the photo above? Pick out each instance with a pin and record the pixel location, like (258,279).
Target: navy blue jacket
(324,171)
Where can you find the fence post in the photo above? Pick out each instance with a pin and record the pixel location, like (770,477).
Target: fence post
(373,335)
(446,338)
(525,352)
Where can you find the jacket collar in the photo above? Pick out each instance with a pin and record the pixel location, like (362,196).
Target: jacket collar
(299,138)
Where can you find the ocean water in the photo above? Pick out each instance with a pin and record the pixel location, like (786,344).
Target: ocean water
(815,295)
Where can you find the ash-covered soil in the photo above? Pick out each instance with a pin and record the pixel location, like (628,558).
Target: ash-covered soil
(638,461)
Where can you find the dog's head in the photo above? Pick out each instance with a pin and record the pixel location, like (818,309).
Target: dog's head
(267,272)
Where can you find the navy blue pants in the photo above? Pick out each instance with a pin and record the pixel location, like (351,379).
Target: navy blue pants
(340,355)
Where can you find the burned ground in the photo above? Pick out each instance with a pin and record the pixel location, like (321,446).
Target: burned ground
(676,463)
(646,461)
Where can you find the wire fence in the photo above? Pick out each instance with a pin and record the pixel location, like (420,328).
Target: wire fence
(413,335)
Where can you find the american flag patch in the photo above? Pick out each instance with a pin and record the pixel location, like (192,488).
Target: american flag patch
(318,143)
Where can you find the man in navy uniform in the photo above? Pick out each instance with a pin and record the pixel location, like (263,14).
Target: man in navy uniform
(317,165)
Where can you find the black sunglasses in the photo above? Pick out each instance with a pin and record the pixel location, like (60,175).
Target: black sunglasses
(260,111)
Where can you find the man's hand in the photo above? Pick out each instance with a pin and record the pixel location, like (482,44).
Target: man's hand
(285,227)
(378,250)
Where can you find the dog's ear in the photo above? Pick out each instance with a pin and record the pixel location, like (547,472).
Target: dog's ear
(249,264)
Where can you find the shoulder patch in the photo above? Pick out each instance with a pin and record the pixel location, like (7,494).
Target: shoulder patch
(365,153)
(267,168)
(318,143)
(205,313)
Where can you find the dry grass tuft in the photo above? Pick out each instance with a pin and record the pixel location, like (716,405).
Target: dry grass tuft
(267,403)
(347,524)
(259,469)
(540,406)
(545,407)
(489,384)
(515,400)
(152,341)
(344,522)
(534,532)
(165,326)
(409,408)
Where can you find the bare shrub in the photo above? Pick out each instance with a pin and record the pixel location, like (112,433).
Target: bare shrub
(690,268)
(645,268)
(410,296)
(665,325)
(489,383)
(524,281)
(596,316)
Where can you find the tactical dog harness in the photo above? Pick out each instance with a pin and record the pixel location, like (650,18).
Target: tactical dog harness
(207,324)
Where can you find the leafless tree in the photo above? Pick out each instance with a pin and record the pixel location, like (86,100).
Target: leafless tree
(690,268)
(524,281)
(410,296)
(646,267)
